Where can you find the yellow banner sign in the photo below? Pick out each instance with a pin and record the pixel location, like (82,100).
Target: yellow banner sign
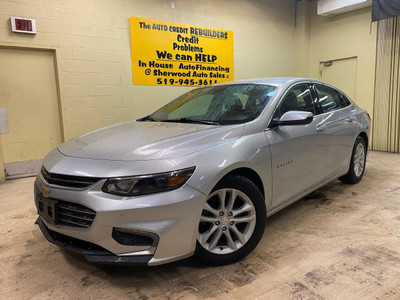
(165,53)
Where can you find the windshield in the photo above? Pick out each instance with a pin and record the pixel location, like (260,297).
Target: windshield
(217,105)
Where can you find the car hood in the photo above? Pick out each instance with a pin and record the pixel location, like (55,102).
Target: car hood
(133,140)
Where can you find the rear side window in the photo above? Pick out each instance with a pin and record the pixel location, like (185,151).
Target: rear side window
(329,99)
(345,100)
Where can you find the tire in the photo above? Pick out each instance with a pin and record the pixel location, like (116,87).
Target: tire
(232,222)
(357,162)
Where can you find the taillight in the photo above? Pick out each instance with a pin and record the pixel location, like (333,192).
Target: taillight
(369,117)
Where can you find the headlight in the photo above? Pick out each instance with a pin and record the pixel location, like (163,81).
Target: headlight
(147,184)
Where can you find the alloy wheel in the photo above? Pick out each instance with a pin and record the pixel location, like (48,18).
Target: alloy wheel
(227,221)
(359,160)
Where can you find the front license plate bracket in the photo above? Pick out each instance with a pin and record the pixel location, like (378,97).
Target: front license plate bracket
(48,209)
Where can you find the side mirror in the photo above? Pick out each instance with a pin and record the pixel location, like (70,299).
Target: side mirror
(293,117)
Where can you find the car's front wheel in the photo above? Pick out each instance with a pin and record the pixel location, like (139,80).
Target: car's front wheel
(357,162)
(232,222)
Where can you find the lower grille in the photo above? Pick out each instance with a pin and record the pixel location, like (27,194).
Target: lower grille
(92,252)
(74,215)
(73,244)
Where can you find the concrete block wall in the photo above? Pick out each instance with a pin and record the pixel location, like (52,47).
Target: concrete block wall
(91,40)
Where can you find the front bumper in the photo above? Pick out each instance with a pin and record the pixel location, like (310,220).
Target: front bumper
(93,253)
(170,218)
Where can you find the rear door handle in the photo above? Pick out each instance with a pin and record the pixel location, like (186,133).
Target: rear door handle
(349,119)
(320,128)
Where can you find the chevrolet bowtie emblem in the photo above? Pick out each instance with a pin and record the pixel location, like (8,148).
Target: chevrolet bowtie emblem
(44,191)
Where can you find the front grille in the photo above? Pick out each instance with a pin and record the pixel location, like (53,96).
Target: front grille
(68,180)
(74,215)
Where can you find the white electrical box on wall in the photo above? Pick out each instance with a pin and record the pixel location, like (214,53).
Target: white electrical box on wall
(3,121)
(335,7)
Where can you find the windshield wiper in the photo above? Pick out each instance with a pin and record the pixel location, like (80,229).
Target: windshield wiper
(188,120)
(146,118)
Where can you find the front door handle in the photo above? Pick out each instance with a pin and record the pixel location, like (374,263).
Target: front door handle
(320,128)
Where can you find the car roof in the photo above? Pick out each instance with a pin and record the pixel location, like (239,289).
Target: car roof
(273,80)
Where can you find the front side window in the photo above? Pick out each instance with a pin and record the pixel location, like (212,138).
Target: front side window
(328,98)
(222,104)
(296,98)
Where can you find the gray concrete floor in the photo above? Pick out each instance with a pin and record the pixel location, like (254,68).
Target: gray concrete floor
(341,242)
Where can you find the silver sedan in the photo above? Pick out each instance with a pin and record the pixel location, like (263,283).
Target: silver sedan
(200,175)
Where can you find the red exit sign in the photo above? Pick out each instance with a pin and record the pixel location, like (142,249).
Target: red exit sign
(23,25)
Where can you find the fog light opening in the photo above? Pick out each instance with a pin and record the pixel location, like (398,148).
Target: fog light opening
(128,237)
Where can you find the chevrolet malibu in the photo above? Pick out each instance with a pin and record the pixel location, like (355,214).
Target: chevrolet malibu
(200,175)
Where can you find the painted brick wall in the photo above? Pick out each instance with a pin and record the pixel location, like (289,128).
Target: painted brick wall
(91,39)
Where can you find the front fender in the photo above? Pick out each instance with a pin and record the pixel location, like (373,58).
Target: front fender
(251,151)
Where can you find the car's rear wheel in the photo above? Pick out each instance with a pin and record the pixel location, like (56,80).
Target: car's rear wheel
(357,162)
(232,222)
